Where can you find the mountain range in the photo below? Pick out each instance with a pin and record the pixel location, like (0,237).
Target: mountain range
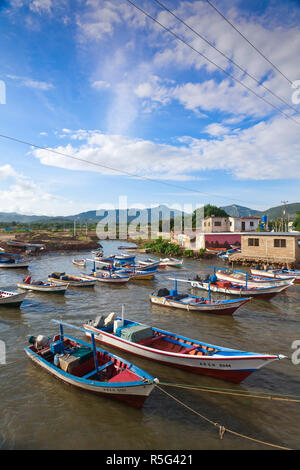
(158,212)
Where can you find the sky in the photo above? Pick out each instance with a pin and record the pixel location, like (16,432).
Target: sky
(99,81)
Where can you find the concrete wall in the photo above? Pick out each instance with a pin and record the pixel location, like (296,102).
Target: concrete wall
(267,250)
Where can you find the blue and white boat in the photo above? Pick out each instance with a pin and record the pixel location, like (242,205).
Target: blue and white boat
(88,368)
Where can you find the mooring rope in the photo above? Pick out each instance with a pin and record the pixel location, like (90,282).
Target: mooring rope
(241,393)
(220,427)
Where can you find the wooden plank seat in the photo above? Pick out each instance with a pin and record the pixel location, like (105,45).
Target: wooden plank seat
(90,374)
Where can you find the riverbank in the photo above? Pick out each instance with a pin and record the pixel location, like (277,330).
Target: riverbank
(51,241)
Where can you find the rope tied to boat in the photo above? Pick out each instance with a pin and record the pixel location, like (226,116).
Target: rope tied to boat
(220,427)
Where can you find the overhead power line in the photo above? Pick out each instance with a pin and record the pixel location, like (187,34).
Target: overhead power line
(249,42)
(212,62)
(226,57)
(118,170)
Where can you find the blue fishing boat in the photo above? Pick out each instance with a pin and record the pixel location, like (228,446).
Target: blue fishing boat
(88,368)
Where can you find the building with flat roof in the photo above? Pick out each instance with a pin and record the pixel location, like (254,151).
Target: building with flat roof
(214,224)
(270,247)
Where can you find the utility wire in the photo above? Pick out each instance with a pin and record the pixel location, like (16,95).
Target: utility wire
(226,57)
(124,172)
(249,42)
(211,61)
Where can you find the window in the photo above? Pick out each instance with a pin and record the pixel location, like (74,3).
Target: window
(253,242)
(217,224)
(251,224)
(279,243)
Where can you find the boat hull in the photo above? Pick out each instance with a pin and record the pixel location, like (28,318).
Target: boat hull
(11,299)
(134,395)
(74,283)
(231,369)
(253,282)
(14,265)
(48,289)
(107,279)
(276,275)
(263,293)
(216,308)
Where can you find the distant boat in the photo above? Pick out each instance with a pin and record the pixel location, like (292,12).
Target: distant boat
(174,299)
(40,286)
(106,277)
(73,281)
(90,369)
(178,351)
(11,299)
(79,262)
(175,263)
(229,288)
(243,278)
(12,261)
(277,274)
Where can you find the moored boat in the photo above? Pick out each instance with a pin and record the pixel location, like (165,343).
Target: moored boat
(173,262)
(73,281)
(178,351)
(91,369)
(277,274)
(243,278)
(12,261)
(229,288)
(106,277)
(11,299)
(79,262)
(41,286)
(174,299)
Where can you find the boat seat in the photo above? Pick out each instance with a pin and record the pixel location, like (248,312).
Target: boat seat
(90,374)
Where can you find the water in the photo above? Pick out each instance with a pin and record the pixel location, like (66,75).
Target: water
(39,412)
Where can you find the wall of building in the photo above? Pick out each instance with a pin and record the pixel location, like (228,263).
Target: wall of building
(267,250)
(222,240)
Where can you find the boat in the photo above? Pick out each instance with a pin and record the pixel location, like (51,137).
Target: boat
(174,299)
(73,281)
(90,369)
(41,286)
(79,262)
(277,274)
(227,253)
(127,247)
(11,299)
(178,351)
(12,261)
(173,262)
(137,275)
(148,264)
(106,277)
(229,288)
(243,278)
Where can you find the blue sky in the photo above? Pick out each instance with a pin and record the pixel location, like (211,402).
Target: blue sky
(97,80)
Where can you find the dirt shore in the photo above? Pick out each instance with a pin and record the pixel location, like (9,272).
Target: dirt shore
(52,241)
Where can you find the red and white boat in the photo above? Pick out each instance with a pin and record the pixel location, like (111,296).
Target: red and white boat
(228,288)
(178,351)
(243,278)
(277,274)
(11,299)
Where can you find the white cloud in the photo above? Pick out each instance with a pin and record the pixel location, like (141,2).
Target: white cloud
(216,129)
(268,150)
(31,83)
(100,85)
(23,195)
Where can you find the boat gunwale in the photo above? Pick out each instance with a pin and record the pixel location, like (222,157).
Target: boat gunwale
(99,384)
(246,355)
